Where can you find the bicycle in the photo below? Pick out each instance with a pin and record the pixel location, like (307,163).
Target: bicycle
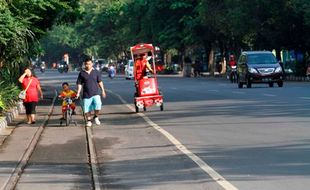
(68,113)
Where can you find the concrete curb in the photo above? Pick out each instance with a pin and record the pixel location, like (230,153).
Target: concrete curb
(15,111)
(11,115)
(5,131)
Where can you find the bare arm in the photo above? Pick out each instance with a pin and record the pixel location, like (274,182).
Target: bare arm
(79,88)
(148,66)
(102,89)
(40,90)
(21,78)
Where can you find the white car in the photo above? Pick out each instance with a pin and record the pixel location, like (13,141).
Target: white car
(129,70)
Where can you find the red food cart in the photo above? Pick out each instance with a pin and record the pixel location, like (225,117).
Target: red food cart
(147,92)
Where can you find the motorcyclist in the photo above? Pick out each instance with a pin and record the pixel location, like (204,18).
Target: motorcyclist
(42,66)
(232,68)
(232,61)
(63,66)
(111,71)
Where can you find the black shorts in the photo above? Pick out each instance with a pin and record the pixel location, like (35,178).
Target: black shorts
(30,107)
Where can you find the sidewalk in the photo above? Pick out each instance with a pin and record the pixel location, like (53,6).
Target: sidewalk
(16,138)
(16,116)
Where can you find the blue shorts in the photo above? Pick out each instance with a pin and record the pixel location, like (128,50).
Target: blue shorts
(93,103)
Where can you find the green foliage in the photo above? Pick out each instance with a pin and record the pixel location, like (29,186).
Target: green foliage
(108,28)
(8,95)
(168,70)
(22,23)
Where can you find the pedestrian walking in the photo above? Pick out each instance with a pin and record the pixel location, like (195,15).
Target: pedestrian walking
(90,81)
(32,86)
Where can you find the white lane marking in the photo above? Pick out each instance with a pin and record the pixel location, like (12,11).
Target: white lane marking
(237,92)
(305,98)
(269,95)
(213,90)
(204,166)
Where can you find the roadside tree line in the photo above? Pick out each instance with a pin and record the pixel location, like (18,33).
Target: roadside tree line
(22,24)
(184,27)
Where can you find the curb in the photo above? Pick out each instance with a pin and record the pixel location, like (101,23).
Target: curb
(14,112)
(11,115)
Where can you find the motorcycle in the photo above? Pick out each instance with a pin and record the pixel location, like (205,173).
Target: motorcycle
(42,68)
(111,72)
(233,74)
(62,68)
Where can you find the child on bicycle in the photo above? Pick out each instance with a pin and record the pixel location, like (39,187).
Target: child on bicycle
(67,93)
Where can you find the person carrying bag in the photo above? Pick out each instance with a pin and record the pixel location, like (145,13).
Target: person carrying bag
(30,95)
(22,94)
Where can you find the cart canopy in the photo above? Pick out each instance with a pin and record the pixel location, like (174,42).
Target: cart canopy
(142,48)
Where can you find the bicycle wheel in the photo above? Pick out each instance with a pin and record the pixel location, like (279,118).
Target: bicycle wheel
(67,117)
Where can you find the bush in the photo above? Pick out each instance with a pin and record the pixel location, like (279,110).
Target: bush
(300,69)
(8,96)
(168,70)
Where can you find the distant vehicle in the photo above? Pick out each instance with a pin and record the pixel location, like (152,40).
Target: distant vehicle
(129,70)
(102,64)
(259,67)
(62,67)
(111,71)
(42,67)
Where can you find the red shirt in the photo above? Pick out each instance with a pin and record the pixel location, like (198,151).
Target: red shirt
(69,93)
(32,91)
(232,63)
(140,65)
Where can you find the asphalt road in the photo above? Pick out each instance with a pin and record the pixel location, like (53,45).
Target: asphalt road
(255,138)
(252,139)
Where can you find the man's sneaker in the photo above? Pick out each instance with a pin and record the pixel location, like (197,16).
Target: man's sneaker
(88,123)
(97,121)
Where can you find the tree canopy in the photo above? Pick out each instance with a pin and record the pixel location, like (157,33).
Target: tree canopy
(22,24)
(110,27)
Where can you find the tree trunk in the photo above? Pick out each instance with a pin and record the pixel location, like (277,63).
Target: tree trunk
(223,58)
(187,67)
(211,62)
(278,54)
(210,52)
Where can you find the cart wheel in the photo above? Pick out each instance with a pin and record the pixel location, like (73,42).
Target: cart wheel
(144,108)
(162,107)
(137,109)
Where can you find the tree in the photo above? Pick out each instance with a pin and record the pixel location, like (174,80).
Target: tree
(22,23)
